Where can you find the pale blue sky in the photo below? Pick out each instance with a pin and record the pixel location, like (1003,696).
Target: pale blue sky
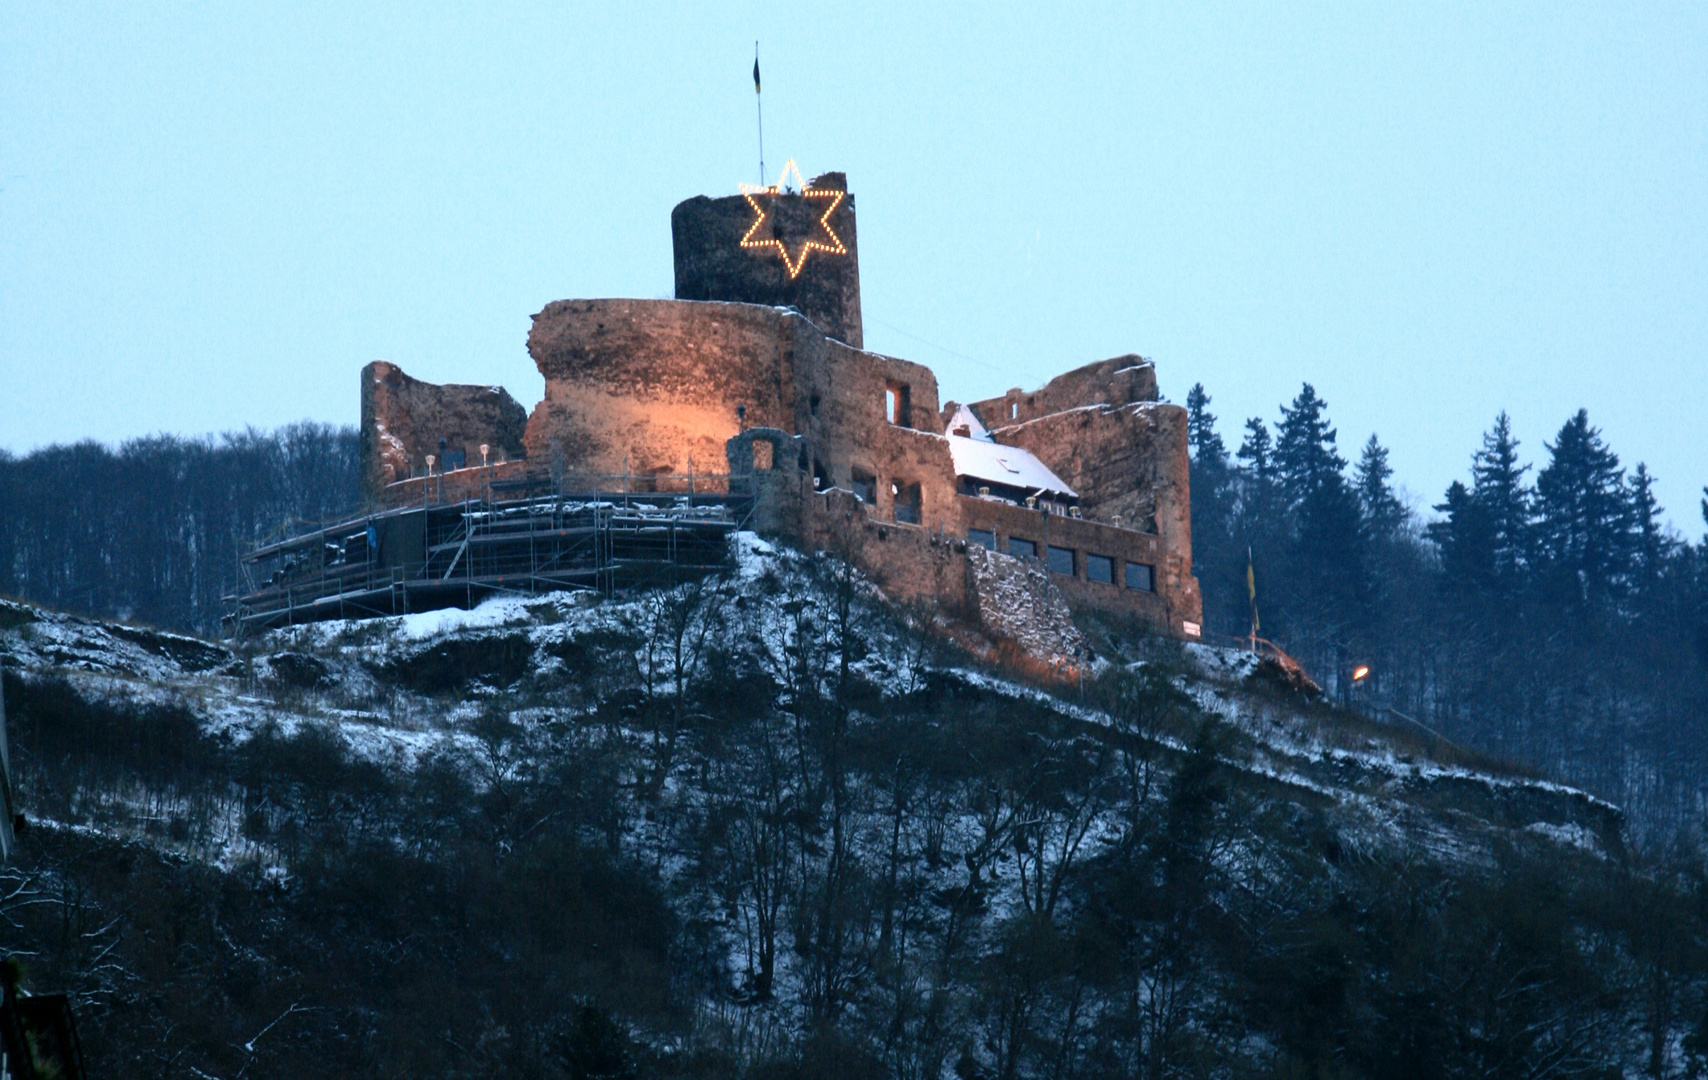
(1431,212)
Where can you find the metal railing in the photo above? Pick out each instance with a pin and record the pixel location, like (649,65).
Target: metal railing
(438,554)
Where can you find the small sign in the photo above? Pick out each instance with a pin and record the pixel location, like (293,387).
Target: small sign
(1192,629)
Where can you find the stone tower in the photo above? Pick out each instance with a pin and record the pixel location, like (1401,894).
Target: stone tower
(781,249)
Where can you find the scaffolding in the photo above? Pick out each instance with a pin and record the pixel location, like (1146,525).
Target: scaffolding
(522,536)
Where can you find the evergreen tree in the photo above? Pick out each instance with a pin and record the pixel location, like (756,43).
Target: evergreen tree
(1329,569)
(1585,517)
(1258,452)
(1652,546)
(1260,506)
(1383,513)
(1466,539)
(1305,456)
(1498,483)
(1206,444)
(1213,499)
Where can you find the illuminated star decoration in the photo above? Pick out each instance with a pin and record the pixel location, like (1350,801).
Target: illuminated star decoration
(832,199)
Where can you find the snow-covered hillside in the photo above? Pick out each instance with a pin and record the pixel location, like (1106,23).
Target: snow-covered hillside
(796,826)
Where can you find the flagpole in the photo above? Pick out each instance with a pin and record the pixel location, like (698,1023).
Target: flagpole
(1251,585)
(760,106)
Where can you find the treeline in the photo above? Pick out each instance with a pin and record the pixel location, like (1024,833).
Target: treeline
(1547,615)
(150,532)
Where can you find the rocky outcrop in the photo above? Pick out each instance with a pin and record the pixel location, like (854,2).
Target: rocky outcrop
(1018,602)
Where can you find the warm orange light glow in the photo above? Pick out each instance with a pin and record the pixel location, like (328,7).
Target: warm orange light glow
(1359,672)
(835,245)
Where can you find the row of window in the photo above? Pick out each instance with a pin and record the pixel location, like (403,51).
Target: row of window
(1098,568)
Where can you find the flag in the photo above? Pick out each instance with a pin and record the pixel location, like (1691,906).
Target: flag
(756,74)
(1251,587)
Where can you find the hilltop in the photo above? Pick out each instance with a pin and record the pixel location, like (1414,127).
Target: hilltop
(768,823)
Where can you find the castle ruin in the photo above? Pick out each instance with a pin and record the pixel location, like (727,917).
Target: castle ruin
(752,392)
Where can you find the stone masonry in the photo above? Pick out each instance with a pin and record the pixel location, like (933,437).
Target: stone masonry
(405,419)
(753,372)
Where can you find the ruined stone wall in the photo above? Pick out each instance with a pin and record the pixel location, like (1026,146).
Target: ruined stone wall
(642,386)
(1129,462)
(655,383)
(1122,380)
(911,564)
(712,264)
(404,419)
(1174,598)
(1101,429)
(849,428)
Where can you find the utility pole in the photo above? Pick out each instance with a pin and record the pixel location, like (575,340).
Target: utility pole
(8,804)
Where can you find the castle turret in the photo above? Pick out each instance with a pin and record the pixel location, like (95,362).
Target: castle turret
(775,246)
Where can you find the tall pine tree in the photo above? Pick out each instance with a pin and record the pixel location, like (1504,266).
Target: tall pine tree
(1329,586)
(1584,515)
(1498,484)
(1383,513)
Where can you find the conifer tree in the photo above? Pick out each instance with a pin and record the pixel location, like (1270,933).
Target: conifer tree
(1206,444)
(1258,452)
(1585,517)
(1383,513)
(1652,547)
(1466,539)
(1329,568)
(1305,456)
(1213,495)
(1498,484)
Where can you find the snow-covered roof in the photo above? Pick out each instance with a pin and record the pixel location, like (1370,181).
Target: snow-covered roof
(982,459)
(964,416)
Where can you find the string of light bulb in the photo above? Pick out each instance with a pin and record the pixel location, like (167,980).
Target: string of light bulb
(751,192)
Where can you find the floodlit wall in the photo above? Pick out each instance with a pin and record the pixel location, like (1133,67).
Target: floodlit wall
(650,386)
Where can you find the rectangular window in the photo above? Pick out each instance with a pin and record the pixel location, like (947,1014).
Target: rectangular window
(1100,568)
(985,538)
(1061,560)
(865,487)
(1026,549)
(1140,576)
(898,404)
(906,502)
